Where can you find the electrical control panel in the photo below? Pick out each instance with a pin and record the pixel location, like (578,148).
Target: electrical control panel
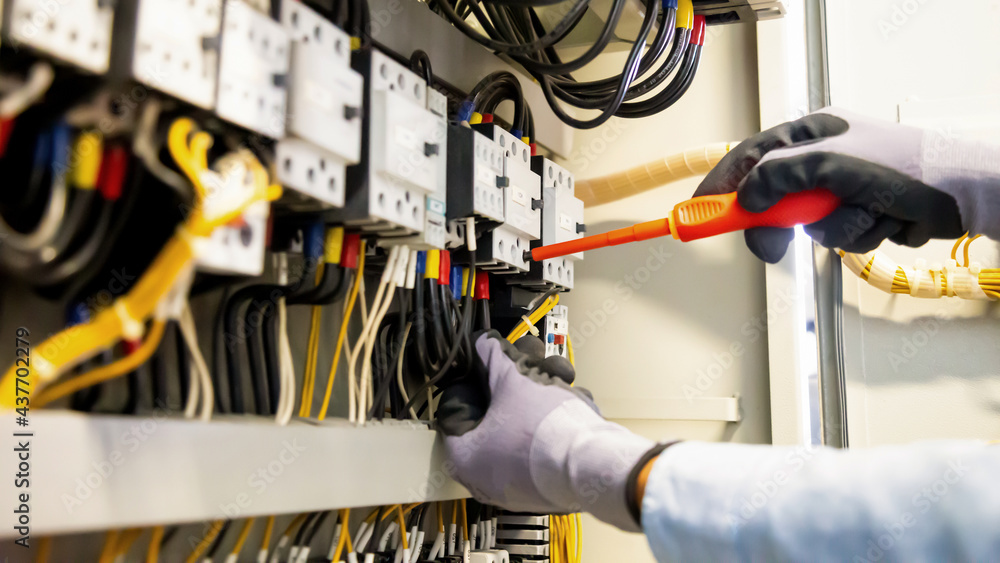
(324,111)
(77,32)
(171,46)
(522,188)
(253,70)
(237,248)
(402,146)
(556,331)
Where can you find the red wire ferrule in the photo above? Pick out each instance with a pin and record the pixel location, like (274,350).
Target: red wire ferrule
(444,268)
(698,34)
(482,286)
(349,254)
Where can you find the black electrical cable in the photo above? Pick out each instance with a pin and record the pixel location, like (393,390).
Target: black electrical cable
(161,388)
(549,39)
(183,364)
(272,354)
(628,75)
(258,362)
(214,548)
(306,525)
(672,93)
(421,63)
(461,337)
(484,314)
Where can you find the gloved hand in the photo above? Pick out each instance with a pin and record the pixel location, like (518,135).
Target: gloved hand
(895,182)
(521,438)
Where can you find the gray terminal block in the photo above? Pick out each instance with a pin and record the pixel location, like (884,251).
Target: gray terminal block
(524,536)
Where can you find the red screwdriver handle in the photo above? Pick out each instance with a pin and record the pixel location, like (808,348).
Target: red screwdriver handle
(707,216)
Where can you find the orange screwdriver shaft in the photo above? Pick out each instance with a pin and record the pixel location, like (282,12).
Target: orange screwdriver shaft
(703,217)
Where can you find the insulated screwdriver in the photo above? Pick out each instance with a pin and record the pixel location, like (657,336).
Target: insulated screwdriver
(703,217)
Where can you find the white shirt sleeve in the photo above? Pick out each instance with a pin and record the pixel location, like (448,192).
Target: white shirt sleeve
(934,501)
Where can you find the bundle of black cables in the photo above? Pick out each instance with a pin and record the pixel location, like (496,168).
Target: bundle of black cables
(514,28)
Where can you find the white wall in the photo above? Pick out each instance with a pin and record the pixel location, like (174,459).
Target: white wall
(648,318)
(920,369)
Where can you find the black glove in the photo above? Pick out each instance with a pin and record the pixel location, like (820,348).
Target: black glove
(874,167)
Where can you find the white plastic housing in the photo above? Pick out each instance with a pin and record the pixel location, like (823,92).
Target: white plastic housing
(556,324)
(75,31)
(237,248)
(310,171)
(253,69)
(324,92)
(489,165)
(524,186)
(173,49)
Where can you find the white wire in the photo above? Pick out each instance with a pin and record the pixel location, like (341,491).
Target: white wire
(395,274)
(190,333)
(399,371)
(39,80)
(357,413)
(287,365)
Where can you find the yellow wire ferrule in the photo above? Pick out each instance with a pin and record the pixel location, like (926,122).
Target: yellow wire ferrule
(431,264)
(685,14)
(86,158)
(476,118)
(333,246)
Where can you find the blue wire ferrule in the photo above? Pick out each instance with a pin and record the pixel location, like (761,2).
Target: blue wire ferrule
(60,149)
(465,110)
(312,243)
(421,262)
(456,282)
(669,4)
(516,132)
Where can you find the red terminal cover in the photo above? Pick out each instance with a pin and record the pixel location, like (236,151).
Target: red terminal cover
(698,33)
(349,253)
(444,268)
(111,177)
(482,285)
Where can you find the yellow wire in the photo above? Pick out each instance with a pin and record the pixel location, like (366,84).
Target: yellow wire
(345,534)
(465,520)
(439,508)
(965,251)
(309,377)
(110,543)
(153,552)
(242,538)
(521,329)
(63,350)
(402,527)
(578,525)
(954,249)
(569,351)
(265,542)
(554,539)
(210,535)
(104,373)
(126,540)
(44,550)
(388,513)
(343,330)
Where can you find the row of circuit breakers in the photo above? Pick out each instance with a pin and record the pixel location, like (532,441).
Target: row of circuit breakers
(361,138)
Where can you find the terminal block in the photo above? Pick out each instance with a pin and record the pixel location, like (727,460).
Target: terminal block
(237,248)
(555,332)
(403,144)
(77,32)
(324,111)
(253,70)
(524,536)
(171,46)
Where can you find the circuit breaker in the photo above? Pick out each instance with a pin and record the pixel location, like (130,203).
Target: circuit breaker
(475,175)
(323,127)
(562,221)
(77,32)
(434,234)
(171,46)
(402,146)
(253,70)
(555,331)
